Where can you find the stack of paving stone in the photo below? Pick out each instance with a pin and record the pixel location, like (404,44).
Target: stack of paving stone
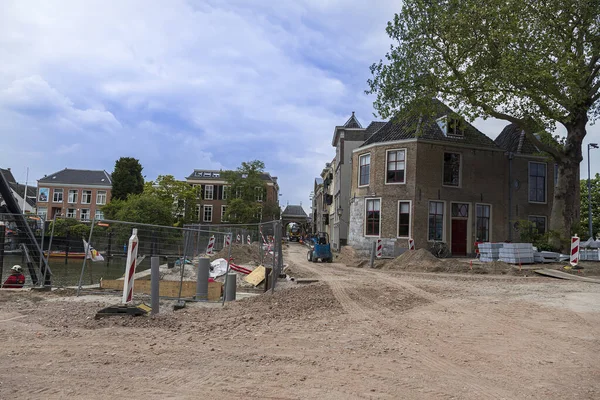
(489,252)
(517,253)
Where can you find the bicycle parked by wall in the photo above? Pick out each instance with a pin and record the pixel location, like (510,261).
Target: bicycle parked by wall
(439,249)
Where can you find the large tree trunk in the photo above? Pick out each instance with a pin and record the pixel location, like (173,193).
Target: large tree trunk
(565,206)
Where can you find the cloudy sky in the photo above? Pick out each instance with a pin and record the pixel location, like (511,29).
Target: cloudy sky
(188,84)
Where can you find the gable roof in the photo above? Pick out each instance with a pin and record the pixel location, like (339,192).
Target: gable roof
(78,177)
(408,124)
(374,127)
(513,139)
(8,176)
(294,211)
(352,123)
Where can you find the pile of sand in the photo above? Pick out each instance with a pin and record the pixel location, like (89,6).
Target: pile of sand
(241,253)
(348,256)
(415,260)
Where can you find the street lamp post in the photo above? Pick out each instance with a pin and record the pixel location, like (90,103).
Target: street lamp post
(589,185)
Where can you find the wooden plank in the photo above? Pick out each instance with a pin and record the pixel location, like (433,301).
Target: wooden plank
(257,276)
(165,288)
(563,275)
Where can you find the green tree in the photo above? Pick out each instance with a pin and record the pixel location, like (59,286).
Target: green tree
(179,195)
(70,226)
(245,193)
(127,178)
(583,226)
(536,64)
(144,208)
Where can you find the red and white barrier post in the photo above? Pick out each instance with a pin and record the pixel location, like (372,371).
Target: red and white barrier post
(574,260)
(211,245)
(411,244)
(239,239)
(227,240)
(132,251)
(379,252)
(248,240)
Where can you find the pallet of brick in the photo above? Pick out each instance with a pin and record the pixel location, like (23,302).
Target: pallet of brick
(517,253)
(489,252)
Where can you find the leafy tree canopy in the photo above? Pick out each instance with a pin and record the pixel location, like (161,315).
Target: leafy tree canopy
(246,193)
(143,208)
(179,195)
(69,226)
(583,226)
(536,64)
(127,178)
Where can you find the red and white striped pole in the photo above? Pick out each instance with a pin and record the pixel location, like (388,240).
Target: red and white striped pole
(211,245)
(574,259)
(248,240)
(411,244)
(228,240)
(239,239)
(132,251)
(379,252)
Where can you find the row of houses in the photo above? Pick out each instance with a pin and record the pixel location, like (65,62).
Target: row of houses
(430,177)
(81,194)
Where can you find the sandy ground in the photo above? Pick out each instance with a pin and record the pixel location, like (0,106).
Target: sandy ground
(357,334)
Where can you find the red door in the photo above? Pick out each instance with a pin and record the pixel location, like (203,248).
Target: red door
(459,237)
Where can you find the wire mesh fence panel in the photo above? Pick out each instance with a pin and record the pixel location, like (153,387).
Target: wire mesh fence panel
(21,243)
(107,253)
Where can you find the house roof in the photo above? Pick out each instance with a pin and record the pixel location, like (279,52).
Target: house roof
(78,177)
(20,190)
(216,175)
(374,127)
(352,123)
(294,211)
(8,175)
(409,124)
(513,139)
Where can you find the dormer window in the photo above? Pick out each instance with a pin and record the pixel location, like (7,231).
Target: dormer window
(451,126)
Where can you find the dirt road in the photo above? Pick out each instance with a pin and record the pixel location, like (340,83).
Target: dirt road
(357,334)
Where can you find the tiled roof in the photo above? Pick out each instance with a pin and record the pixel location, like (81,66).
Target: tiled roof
(294,211)
(374,127)
(78,177)
(409,124)
(513,139)
(217,175)
(7,175)
(20,190)
(352,123)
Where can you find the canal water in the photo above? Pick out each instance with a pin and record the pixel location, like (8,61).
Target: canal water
(67,274)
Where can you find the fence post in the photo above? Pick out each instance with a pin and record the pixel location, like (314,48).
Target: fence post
(227,272)
(154,284)
(85,256)
(202,275)
(2,235)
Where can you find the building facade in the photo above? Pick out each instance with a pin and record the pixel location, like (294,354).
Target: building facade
(74,193)
(212,205)
(436,178)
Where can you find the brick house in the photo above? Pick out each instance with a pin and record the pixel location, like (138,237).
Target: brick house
(74,193)
(212,205)
(346,138)
(437,178)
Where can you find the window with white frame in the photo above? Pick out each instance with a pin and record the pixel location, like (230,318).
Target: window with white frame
(372,217)
(101,197)
(364,169)
(258,193)
(42,212)
(258,214)
(452,169)
(223,212)
(538,223)
(404,219)
(85,214)
(72,199)
(208,192)
(395,168)
(483,213)
(71,213)
(99,215)
(86,197)
(198,210)
(436,221)
(208,213)
(57,195)
(225,192)
(537,182)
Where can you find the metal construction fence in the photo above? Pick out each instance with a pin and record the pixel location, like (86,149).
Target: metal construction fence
(55,253)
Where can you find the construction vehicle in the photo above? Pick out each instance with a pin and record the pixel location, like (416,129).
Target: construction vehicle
(321,248)
(295,233)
